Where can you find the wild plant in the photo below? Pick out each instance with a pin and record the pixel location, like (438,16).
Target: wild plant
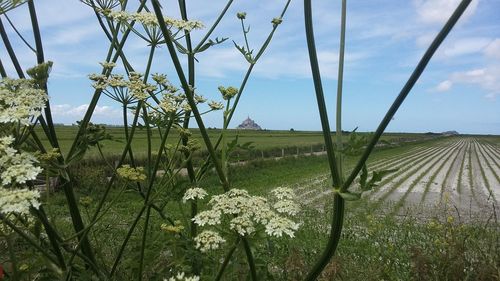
(223,224)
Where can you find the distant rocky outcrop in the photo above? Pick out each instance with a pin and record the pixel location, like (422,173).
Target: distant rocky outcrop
(249,124)
(450,133)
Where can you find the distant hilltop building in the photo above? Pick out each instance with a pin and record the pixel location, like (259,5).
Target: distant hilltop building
(450,133)
(249,124)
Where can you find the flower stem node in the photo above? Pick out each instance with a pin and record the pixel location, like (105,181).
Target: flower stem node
(277,21)
(241,15)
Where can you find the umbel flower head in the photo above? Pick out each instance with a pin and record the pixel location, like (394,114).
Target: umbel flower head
(16,167)
(131,174)
(181,276)
(18,201)
(228,93)
(246,214)
(20,101)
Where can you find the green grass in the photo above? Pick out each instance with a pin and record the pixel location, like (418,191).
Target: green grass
(261,140)
(373,247)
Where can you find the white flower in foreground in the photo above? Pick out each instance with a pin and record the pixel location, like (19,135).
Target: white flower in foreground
(283,193)
(17,167)
(278,226)
(210,217)
(181,276)
(20,101)
(208,240)
(194,193)
(20,169)
(18,200)
(287,207)
(243,225)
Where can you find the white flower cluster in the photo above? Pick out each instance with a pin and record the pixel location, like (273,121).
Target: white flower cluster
(208,240)
(148,19)
(194,193)
(246,213)
(20,101)
(183,277)
(18,200)
(15,167)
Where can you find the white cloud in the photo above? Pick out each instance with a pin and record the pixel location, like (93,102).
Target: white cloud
(444,86)
(488,78)
(493,49)
(77,112)
(465,46)
(438,11)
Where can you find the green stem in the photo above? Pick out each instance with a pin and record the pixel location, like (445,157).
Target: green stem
(40,59)
(407,88)
(10,51)
(251,262)
(339,89)
(226,260)
(28,239)
(3,73)
(319,94)
(52,235)
(212,28)
(143,243)
(13,259)
(337,219)
(189,93)
(125,242)
(19,34)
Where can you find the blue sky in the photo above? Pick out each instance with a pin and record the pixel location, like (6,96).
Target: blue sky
(460,89)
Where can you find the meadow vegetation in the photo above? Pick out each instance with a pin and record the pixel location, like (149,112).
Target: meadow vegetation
(155,199)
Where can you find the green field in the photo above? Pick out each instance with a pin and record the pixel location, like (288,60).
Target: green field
(268,142)
(406,229)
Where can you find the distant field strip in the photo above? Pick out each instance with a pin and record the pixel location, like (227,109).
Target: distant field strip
(462,171)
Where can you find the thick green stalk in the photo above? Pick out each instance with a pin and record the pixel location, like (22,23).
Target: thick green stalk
(251,262)
(227,258)
(319,94)
(337,219)
(339,89)
(40,59)
(3,73)
(125,242)
(407,88)
(52,235)
(189,93)
(196,265)
(143,243)
(28,239)
(10,51)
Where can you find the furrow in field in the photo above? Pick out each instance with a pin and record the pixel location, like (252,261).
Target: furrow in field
(492,170)
(451,178)
(314,194)
(492,156)
(417,180)
(432,188)
(481,181)
(387,160)
(493,149)
(403,163)
(468,188)
(495,146)
(391,183)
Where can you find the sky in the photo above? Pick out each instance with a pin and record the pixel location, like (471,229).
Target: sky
(460,89)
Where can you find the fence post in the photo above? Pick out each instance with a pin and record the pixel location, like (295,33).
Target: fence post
(282,152)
